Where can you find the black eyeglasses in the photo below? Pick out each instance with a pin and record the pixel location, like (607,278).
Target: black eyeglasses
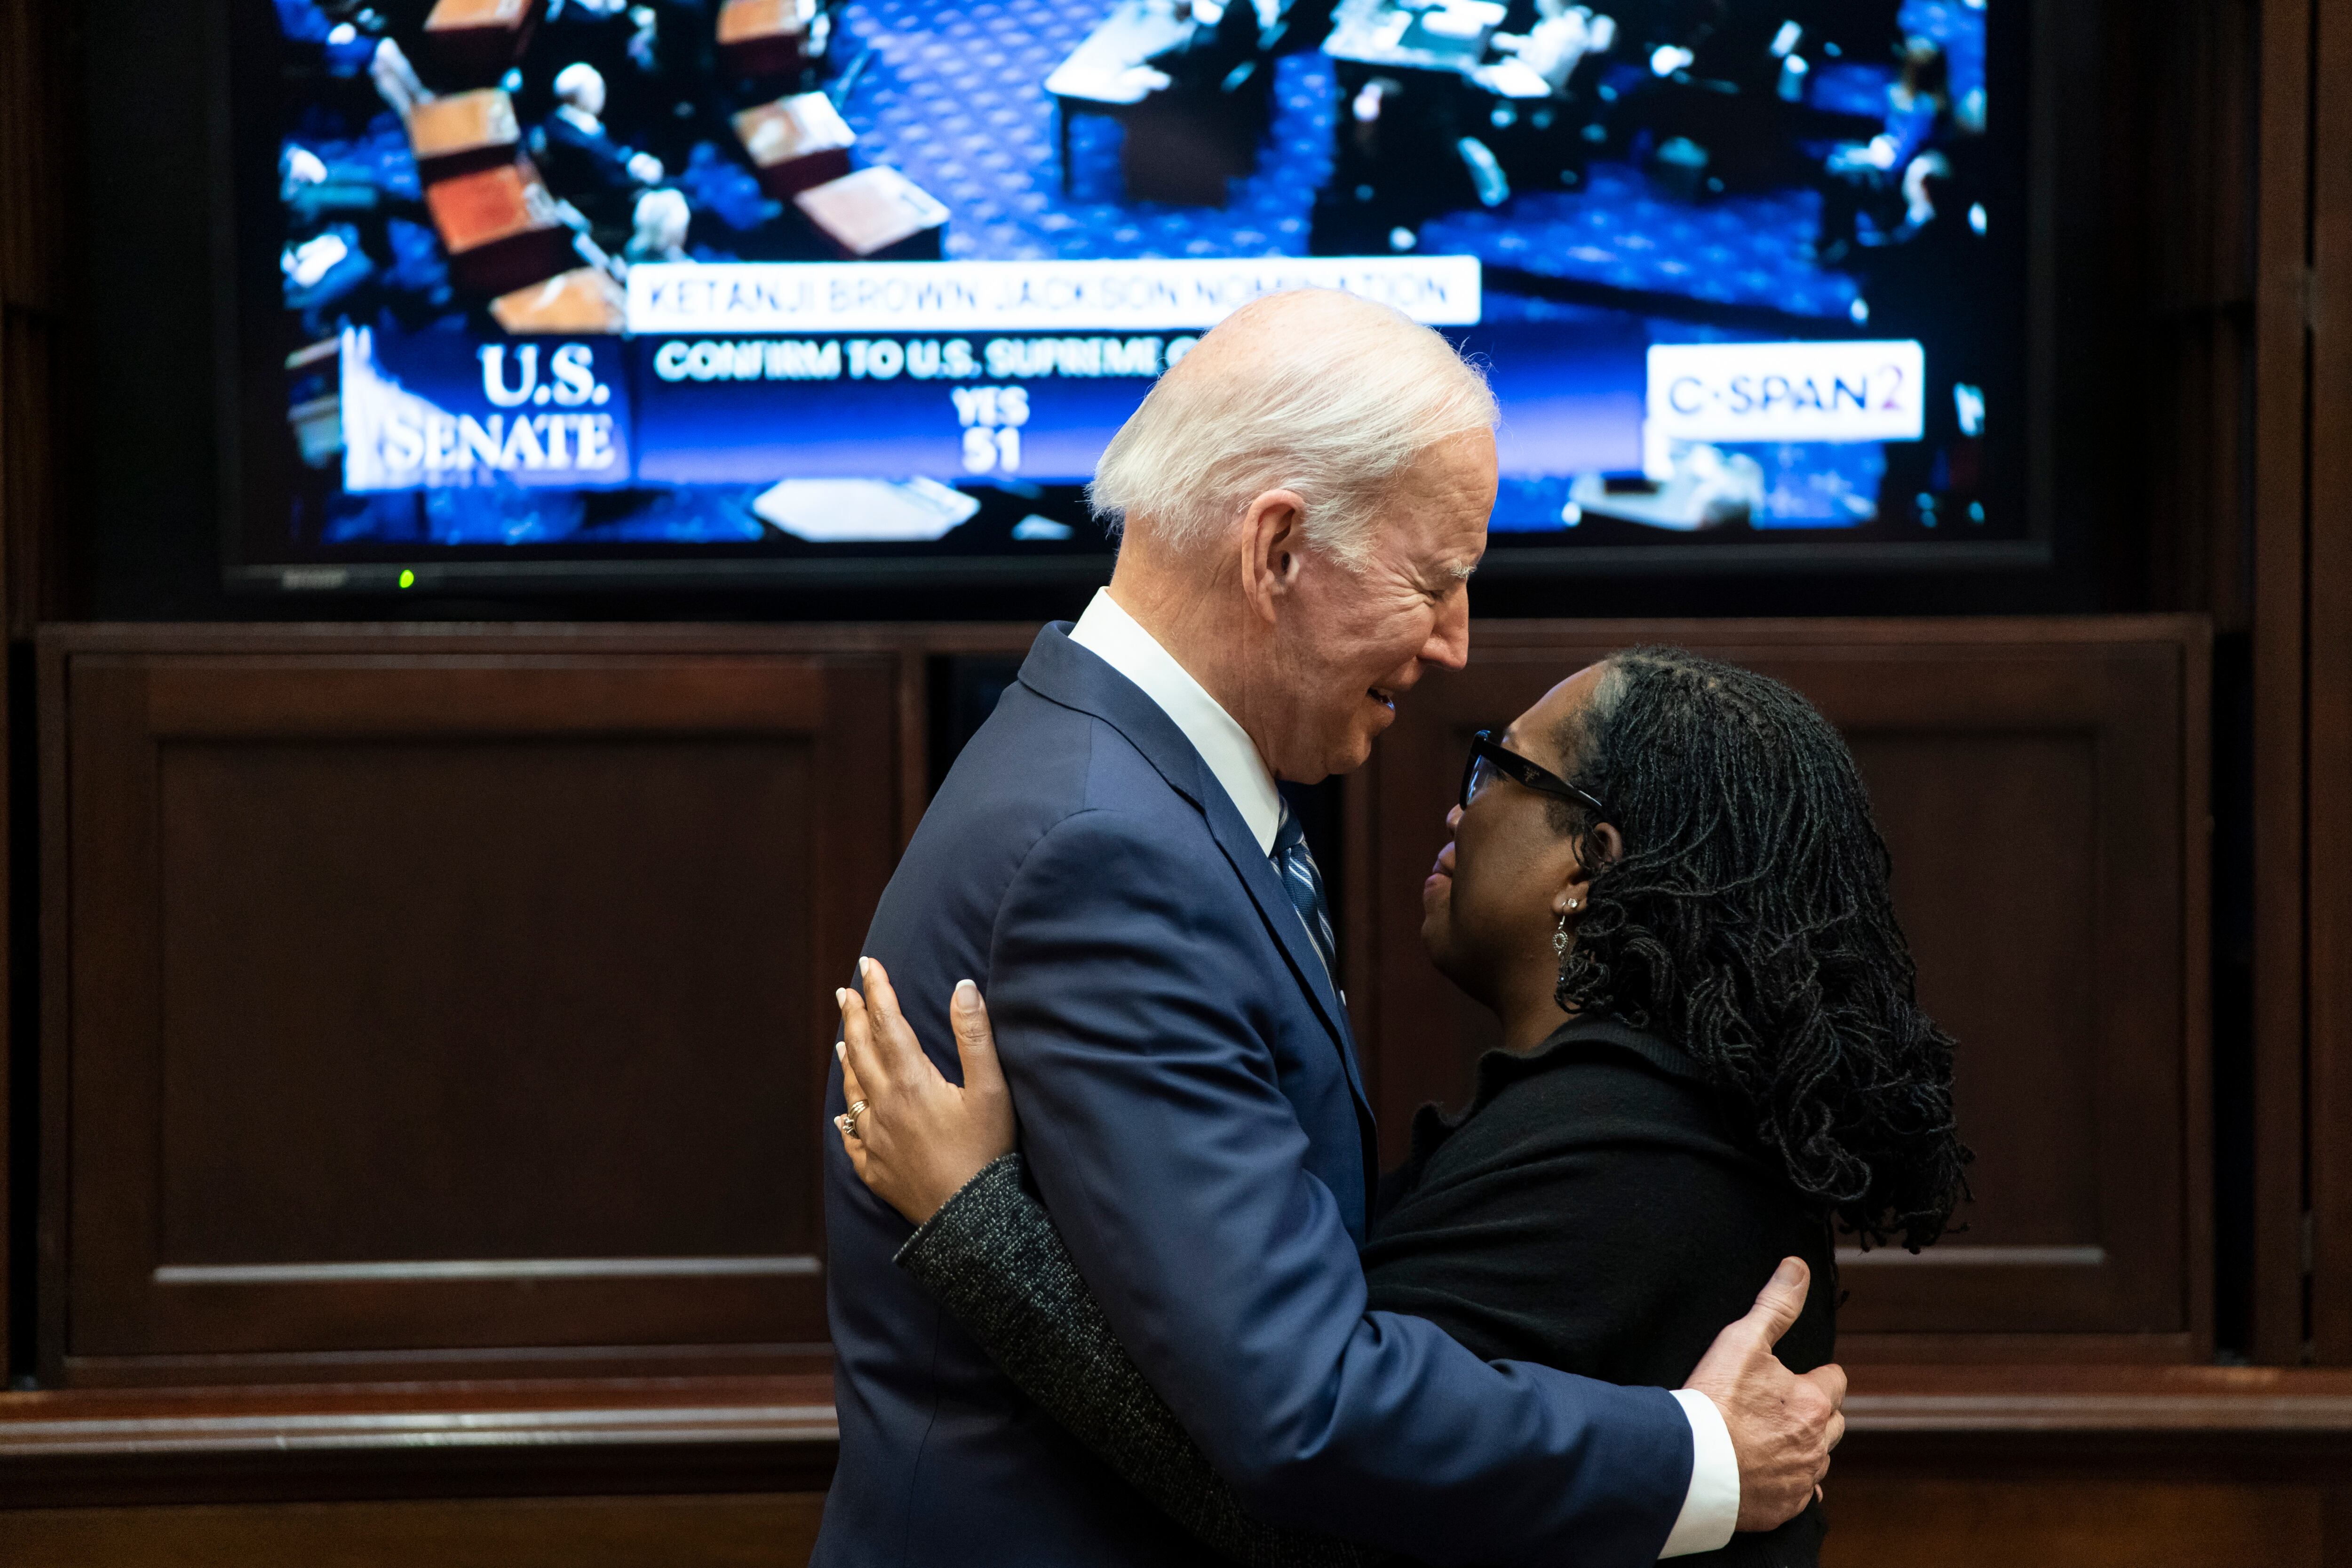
(1489,760)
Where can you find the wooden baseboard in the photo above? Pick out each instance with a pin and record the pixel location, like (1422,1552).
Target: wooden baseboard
(2014,1350)
(2112,1466)
(1932,1522)
(648,1435)
(746,1531)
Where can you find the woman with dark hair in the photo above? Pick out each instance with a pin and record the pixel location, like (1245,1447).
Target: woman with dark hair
(1665,881)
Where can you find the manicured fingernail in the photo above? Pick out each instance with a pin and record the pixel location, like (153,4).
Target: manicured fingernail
(841,995)
(863,964)
(840,1051)
(967,996)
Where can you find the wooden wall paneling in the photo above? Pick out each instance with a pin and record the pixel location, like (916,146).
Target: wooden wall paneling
(2328,711)
(1932,1521)
(468,1004)
(86,1448)
(2281,478)
(30,214)
(32,235)
(2198,1238)
(2042,785)
(30,152)
(914,719)
(2127,1468)
(2196,102)
(1922,1522)
(9,1042)
(49,1236)
(2092,1467)
(728,1531)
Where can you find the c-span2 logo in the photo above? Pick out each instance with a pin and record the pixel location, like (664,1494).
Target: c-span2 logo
(1788,392)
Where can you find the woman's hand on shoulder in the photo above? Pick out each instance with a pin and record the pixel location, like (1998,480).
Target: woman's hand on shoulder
(914,1137)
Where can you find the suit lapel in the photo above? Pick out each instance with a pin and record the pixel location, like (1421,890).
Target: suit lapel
(1257,872)
(1061,670)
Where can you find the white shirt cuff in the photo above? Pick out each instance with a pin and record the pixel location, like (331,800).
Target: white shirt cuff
(1711,1508)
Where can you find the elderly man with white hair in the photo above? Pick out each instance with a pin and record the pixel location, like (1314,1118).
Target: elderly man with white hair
(582,162)
(1302,501)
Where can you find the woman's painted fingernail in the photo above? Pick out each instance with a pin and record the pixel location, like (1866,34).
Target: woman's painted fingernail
(841,1050)
(967,996)
(841,995)
(863,964)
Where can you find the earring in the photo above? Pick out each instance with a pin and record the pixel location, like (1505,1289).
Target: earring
(1559,937)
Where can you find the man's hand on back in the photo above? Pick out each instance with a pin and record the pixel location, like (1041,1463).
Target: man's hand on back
(1782,1425)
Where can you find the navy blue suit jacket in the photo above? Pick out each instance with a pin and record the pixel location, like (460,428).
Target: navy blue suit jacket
(1193,1112)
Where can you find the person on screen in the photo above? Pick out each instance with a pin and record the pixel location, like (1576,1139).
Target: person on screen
(1871,177)
(1302,501)
(1563,38)
(396,82)
(342,47)
(662,220)
(1218,38)
(580,160)
(1665,881)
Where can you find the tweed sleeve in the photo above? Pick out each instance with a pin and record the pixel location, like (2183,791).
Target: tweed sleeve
(992,1256)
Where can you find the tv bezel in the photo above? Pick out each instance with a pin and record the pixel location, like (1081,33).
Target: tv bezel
(2052,478)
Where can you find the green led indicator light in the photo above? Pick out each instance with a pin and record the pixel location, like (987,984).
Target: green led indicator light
(407,578)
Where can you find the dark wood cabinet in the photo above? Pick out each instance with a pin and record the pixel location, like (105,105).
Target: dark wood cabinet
(2041,786)
(415,1003)
(455,1003)
(441,1013)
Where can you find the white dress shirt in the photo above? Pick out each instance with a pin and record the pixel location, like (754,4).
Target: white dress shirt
(1114,636)
(1711,1505)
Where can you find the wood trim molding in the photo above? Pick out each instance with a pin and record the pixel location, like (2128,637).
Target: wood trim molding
(2018,1411)
(565,639)
(2074,1426)
(220,1433)
(481,1439)
(781,1434)
(502,1268)
(1839,631)
(32,183)
(2327,910)
(2281,478)
(207,699)
(2217,1397)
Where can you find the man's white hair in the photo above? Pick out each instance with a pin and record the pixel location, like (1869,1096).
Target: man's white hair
(1326,393)
(577,80)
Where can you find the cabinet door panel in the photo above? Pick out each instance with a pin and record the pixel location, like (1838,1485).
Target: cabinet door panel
(454,1004)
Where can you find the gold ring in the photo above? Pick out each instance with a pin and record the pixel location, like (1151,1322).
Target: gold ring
(849,1117)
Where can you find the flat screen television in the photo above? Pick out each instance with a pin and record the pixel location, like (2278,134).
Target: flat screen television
(605,293)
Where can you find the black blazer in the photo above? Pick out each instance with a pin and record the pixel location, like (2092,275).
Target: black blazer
(1593,1208)
(1597,1208)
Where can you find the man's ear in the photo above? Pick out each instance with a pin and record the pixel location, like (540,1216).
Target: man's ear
(1273,533)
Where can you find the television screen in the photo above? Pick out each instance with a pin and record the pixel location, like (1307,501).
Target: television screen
(570,287)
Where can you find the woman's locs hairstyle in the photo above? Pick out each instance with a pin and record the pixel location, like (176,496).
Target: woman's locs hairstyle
(1749,919)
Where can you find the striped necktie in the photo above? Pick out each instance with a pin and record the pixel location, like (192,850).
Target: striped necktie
(1304,885)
